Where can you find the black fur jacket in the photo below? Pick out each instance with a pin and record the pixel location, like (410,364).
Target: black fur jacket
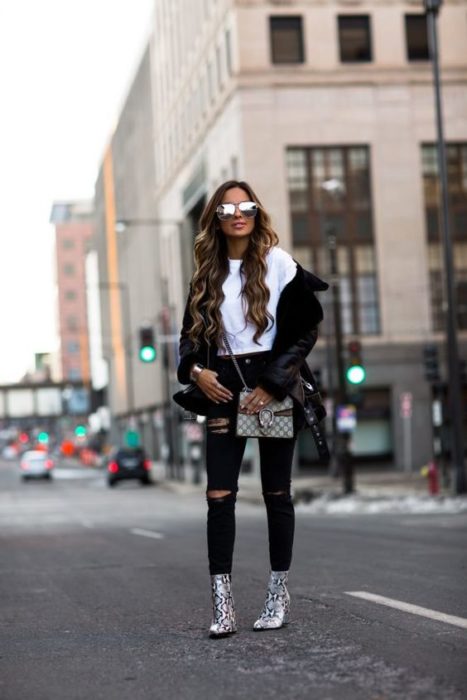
(298,315)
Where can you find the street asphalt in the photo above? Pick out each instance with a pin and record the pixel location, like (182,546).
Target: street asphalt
(105,594)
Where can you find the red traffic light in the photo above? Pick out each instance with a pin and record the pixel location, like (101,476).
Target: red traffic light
(354,347)
(356,372)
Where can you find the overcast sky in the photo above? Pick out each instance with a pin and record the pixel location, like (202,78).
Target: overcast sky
(65,69)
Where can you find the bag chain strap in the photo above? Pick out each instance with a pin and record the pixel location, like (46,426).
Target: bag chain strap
(234,360)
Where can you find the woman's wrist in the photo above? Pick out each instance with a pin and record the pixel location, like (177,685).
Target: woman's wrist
(195,371)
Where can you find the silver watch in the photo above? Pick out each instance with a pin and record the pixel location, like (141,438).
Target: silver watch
(196,371)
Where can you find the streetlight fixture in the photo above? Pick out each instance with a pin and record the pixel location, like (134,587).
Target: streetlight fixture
(432,8)
(121,225)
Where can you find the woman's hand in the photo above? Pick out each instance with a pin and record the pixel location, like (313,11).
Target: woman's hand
(207,382)
(256,400)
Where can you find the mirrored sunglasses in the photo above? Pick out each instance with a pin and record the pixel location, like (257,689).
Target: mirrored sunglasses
(227,211)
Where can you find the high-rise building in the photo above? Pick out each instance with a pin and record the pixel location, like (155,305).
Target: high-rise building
(74,222)
(289,95)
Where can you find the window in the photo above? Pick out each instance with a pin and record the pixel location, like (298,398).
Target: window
(72,347)
(286,40)
(68,243)
(69,270)
(219,67)
(354,38)
(416,36)
(70,295)
(348,214)
(457,190)
(228,52)
(74,374)
(210,82)
(72,323)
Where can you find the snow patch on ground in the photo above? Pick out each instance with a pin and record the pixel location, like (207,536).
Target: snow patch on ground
(346,505)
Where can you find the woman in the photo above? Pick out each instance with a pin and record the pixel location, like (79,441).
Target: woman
(247,287)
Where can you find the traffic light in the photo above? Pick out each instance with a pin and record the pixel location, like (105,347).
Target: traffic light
(147,349)
(43,438)
(355,373)
(80,431)
(431,360)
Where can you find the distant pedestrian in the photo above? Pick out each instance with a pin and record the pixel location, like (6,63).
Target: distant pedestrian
(255,293)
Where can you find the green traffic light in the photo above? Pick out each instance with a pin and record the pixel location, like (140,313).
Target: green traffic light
(356,374)
(147,353)
(43,438)
(80,431)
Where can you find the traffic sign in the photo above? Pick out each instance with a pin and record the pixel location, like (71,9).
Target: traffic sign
(346,418)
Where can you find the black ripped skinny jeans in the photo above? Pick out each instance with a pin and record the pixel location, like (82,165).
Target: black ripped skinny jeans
(224,453)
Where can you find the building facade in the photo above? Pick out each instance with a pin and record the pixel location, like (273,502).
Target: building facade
(74,222)
(289,95)
(131,276)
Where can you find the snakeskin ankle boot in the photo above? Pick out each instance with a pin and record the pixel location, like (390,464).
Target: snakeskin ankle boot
(275,612)
(223,608)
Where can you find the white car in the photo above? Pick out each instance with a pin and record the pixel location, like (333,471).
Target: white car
(36,464)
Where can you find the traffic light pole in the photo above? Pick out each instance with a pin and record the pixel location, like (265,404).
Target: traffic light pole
(340,440)
(454,383)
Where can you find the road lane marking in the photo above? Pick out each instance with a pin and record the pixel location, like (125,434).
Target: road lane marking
(408,607)
(148,533)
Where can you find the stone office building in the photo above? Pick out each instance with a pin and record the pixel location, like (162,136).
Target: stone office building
(290,94)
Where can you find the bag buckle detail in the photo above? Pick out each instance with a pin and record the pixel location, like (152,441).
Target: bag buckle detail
(266,418)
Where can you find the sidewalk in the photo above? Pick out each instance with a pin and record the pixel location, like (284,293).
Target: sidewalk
(375,492)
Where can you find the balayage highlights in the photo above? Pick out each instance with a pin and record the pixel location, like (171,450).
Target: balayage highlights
(212,268)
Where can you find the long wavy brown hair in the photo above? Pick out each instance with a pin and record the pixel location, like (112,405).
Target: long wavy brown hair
(212,268)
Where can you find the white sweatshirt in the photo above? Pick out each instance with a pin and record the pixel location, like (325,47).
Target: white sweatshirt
(281,269)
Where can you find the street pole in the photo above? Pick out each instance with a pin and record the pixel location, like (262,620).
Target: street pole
(334,188)
(453,379)
(121,286)
(340,440)
(166,318)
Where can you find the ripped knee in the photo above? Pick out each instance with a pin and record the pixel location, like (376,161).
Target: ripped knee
(220,501)
(217,495)
(218,425)
(271,497)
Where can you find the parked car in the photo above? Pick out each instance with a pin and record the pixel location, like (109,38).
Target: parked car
(128,463)
(36,464)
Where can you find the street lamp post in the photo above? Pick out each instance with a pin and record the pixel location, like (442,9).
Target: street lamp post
(432,8)
(334,188)
(166,320)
